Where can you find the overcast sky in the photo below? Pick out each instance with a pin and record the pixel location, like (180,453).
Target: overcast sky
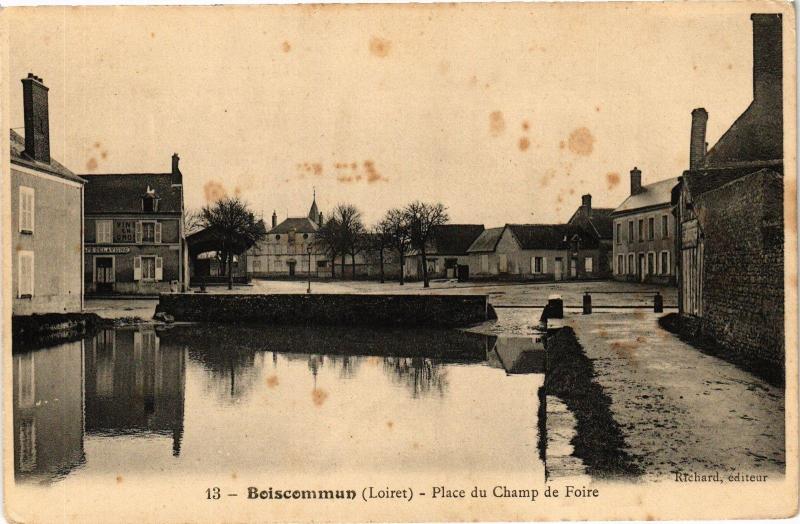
(505,113)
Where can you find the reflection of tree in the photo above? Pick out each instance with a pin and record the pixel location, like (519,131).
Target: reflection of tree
(231,370)
(347,364)
(423,376)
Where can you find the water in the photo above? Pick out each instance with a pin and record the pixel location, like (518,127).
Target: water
(208,399)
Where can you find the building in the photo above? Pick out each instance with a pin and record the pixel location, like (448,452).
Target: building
(135,241)
(644,232)
(729,207)
(46,216)
(446,251)
(598,222)
(534,252)
(289,248)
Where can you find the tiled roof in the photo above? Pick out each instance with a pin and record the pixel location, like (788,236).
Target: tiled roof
(455,239)
(655,194)
(756,135)
(700,182)
(603,222)
(122,193)
(550,236)
(300,225)
(17,142)
(486,241)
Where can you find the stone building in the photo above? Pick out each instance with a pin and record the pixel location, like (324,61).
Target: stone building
(446,251)
(644,232)
(729,208)
(289,248)
(534,252)
(46,243)
(135,240)
(598,222)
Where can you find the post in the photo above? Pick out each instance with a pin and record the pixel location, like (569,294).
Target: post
(308,289)
(658,303)
(587,303)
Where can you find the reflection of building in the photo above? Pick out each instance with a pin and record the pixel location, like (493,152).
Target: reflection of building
(644,232)
(46,221)
(135,239)
(48,411)
(730,216)
(133,385)
(285,249)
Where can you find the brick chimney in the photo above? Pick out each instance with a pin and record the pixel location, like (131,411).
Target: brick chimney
(274,219)
(177,176)
(767,58)
(319,222)
(586,204)
(37,123)
(697,140)
(636,181)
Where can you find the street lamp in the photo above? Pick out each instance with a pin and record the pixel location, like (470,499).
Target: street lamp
(308,249)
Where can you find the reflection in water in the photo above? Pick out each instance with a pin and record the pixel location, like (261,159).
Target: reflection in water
(119,399)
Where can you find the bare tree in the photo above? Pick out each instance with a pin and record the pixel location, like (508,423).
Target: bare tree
(327,240)
(235,229)
(351,232)
(422,219)
(192,221)
(400,236)
(380,240)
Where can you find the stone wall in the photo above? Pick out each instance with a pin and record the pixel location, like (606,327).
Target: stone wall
(323,309)
(743,288)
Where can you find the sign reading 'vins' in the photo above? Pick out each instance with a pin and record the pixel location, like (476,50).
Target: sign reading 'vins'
(124,231)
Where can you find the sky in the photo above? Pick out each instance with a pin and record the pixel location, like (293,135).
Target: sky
(506,113)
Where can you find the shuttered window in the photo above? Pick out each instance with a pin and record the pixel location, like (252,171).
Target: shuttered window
(104,230)
(25,274)
(148,269)
(26,209)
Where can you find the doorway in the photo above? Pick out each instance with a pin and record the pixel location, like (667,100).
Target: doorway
(292,265)
(573,267)
(104,274)
(559,269)
(642,268)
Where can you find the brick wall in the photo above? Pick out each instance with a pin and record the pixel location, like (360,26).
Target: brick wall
(743,294)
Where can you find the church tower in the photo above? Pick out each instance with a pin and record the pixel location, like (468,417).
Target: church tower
(314,213)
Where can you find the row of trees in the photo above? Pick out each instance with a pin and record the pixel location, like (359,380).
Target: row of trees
(399,231)
(235,228)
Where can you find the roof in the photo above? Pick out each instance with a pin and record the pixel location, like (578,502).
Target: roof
(703,181)
(550,236)
(601,221)
(122,193)
(756,135)
(313,213)
(17,142)
(455,239)
(655,194)
(299,224)
(486,241)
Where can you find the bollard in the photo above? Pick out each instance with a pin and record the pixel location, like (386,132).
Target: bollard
(658,303)
(587,303)
(555,306)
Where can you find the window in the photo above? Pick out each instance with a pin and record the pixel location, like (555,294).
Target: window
(651,228)
(537,265)
(587,264)
(148,231)
(26,209)
(25,275)
(630,231)
(641,230)
(150,204)
(631,264)
(619,233)
(148,268)
(664,226)
(665,269)
(104,230)
(651,261)
(620,265)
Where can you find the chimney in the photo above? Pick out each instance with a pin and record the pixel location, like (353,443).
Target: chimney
(319,222)
(37,124)
(177,176)
(274,219)
(586,204)
(636,181)
(697,141)
(767,58)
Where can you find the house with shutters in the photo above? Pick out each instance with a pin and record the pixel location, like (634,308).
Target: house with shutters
(134,233)
(445,251)
(46,198)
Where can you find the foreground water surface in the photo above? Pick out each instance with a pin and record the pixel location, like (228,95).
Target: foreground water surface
(312,400)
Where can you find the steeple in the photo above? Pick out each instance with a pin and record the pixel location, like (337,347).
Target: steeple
(313,213)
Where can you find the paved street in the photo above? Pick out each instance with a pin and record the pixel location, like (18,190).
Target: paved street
(681,410)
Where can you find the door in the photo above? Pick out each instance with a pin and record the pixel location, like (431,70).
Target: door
(104,274)
(559,269)
(292,264)
(573,267)
(642,268)
(502,263)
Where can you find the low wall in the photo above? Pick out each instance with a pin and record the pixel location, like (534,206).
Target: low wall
(333,309)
